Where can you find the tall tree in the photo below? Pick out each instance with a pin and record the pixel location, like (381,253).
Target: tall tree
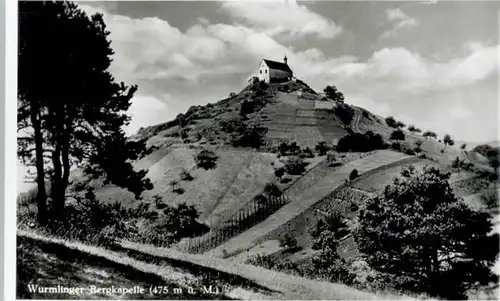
(447,140)
(333,93)
(426,238)
(80,107)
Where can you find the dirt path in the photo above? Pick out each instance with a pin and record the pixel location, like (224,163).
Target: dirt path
(283,286)
(300,200)
(51,262)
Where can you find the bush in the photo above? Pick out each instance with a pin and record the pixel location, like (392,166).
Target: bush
(332,93)
(272,190)
(289,242)
(353,175)
(390,121)
(396,146)
(429,134)
(307,153)
(250,137)
(250,106)
(450,231)
(206,159)
(279,172)
(397,135)
(295,166)
(321,148)
(400,124)
(345,113)
(409,151)
(232,125)
(356,142)
(283,148)
(294,149)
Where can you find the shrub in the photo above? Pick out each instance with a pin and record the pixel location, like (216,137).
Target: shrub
(307,153)
(409,151)
(295,166)
(353,175)
(321,148)
(332,93)
(429,134)
(390,121)
(289,242)
(232,125)
(279,172)
(206,159)
(450,232)
(293,148)
(232,94)
(283,148)
(396,146)
(250,137)
(356,142)
(397,135)
(248,107)
(400,124)
(272,190)
(345,113)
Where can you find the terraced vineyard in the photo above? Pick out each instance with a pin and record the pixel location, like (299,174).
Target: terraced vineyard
(295,119)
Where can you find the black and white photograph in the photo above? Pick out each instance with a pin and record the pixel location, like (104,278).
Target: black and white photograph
(256,150)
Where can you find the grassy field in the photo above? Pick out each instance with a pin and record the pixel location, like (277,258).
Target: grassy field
(237,178)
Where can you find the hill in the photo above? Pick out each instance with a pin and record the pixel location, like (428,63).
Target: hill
(277,164)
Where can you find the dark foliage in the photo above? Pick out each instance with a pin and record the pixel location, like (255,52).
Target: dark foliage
(353,175)
(321,148)
(397,135)
(295,166)
(491,153)
(344,112)
(419,232)
(390,121)
(206,159)
(249,137)
(306,153)
(77,112)
(272,190)
(357,142)
(279,172)
(429,134)
(332,93)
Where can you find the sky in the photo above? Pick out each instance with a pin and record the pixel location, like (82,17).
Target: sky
(430,63)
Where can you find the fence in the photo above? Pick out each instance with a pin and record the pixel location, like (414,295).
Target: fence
(255,212)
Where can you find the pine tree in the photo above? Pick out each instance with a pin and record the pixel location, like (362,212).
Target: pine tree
(70,104)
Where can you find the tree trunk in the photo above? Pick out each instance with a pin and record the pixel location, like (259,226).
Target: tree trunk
(41,196)
(57,198)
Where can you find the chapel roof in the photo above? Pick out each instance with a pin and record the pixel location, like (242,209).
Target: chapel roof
(278,66)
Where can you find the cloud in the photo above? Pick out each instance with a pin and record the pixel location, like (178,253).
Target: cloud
(277,18)
(409,72)
(146,111)
(399,20)
(175,70)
